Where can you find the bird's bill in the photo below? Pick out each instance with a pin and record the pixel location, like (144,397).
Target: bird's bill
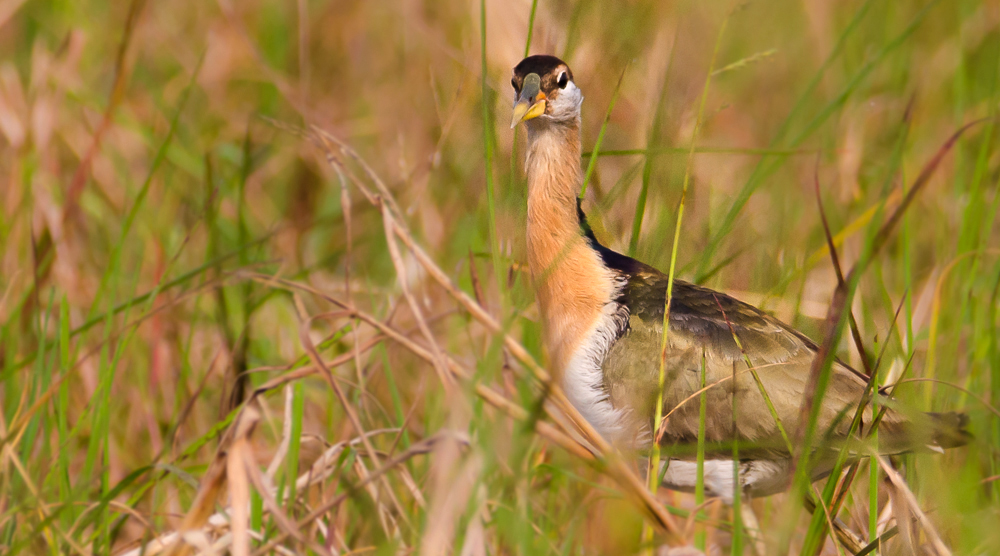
(531,102)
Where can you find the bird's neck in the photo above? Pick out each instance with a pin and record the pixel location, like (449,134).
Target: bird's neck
(553,168)
(572,283)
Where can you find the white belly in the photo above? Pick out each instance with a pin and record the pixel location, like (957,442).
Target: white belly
(583,379)
(757,477)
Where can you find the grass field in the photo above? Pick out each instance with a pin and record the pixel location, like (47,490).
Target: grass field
(216,317)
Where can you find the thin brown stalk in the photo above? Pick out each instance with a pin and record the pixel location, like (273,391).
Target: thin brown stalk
(348,407)
(913,506)
(423,447)
(79,180)
(835,259)
(284,523)
(239,488)
(494,398)
(470,305)
(372,175)
(418,315)
(212,483)
(829,519)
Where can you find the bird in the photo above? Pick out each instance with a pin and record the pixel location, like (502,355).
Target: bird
(602,317)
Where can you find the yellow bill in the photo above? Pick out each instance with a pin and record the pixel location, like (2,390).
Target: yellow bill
(530,103)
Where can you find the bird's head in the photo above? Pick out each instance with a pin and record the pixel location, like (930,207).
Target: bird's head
(544,92)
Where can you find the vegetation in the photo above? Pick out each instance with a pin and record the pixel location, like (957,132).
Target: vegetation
(260,264)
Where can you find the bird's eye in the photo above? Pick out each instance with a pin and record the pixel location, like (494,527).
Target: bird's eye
(563,80)
(513,83)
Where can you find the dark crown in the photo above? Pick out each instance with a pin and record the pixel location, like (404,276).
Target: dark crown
(542,64)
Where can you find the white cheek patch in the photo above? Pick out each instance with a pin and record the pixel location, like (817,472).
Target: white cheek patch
(566,104)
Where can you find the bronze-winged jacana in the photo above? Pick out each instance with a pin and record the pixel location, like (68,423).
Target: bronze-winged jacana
(602,314)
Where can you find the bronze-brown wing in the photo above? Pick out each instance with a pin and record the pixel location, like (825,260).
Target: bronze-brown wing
(704,325)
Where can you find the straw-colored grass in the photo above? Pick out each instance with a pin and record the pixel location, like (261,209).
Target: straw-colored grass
(261,287)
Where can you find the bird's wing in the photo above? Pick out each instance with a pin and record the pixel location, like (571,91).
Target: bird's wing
(704,328)
(705,322)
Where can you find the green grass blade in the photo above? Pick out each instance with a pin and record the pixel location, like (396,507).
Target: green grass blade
(594,154)
(654,466)
(531,27)
(486,100)
(699,487)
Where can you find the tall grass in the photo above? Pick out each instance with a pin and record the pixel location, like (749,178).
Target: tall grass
(189,336)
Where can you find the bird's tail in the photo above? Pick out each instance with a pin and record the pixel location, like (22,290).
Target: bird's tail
(949,430)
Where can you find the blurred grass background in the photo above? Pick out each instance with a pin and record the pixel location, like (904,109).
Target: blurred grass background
(142,179)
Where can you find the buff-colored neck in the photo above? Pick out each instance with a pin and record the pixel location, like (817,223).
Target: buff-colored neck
(553,167)
(572,283)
